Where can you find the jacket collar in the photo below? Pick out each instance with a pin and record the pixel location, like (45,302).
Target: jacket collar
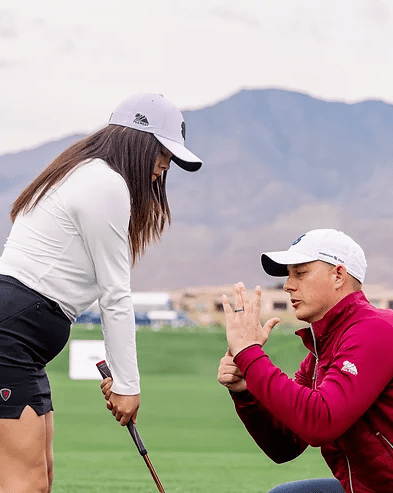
(332,319)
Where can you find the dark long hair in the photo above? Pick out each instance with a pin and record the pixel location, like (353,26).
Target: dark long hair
(132,154)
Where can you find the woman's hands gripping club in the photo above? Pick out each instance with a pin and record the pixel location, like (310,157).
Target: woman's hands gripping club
(123,407)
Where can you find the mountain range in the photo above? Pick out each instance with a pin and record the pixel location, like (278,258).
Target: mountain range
(276,164)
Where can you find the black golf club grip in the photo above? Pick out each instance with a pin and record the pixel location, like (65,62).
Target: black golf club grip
(105,373)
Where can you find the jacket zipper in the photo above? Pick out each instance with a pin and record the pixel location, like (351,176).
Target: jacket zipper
(386,440)
(350,474)
(314,377)
(349,466)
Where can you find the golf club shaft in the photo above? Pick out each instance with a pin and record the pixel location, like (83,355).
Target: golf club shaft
(153,473)
(105,373)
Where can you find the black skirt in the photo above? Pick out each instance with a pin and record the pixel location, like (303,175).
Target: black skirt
(33,330)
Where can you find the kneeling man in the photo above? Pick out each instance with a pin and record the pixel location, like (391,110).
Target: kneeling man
(341,399)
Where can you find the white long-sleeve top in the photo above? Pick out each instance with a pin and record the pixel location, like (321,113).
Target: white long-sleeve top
(73,248)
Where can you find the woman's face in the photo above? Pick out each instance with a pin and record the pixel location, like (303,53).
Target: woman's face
(162,163)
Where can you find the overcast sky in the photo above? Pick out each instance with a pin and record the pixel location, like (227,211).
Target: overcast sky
(65,64)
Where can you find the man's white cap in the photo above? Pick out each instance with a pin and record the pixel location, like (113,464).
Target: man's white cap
(154,114)
(328,245)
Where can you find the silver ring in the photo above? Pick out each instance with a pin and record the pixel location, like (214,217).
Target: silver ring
(239,310)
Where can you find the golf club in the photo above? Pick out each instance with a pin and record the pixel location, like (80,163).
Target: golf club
(105,373)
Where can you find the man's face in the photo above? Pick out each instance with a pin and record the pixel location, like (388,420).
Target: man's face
(312,289)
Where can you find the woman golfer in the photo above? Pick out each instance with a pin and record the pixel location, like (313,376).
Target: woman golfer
(77,229)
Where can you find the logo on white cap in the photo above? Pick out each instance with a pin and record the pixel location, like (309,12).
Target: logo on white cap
(297,241)
(141,120)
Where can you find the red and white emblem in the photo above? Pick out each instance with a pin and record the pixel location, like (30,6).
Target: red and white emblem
(5,394)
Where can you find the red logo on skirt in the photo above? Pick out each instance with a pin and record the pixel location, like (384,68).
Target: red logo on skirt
(5,394)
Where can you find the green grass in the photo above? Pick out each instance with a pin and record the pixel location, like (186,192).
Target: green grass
(186,420)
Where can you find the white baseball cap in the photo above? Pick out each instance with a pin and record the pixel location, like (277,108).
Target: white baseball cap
(154,114)
(328,245)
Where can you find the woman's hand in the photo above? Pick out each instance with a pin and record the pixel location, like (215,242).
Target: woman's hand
(106,386)
(123,407)
(243,324)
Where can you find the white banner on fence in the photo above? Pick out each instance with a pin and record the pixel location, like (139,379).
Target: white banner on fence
(84,355)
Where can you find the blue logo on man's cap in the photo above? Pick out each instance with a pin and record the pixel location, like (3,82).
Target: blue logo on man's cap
(297,241)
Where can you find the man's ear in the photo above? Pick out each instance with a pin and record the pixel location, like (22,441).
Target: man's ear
(341,275)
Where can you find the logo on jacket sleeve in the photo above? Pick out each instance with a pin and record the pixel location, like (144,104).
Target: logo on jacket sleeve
(349,368)
(5,394)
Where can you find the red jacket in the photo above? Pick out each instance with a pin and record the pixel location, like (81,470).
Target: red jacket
(341,399)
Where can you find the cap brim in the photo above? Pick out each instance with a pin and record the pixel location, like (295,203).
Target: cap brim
(276,263)
(181,155)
